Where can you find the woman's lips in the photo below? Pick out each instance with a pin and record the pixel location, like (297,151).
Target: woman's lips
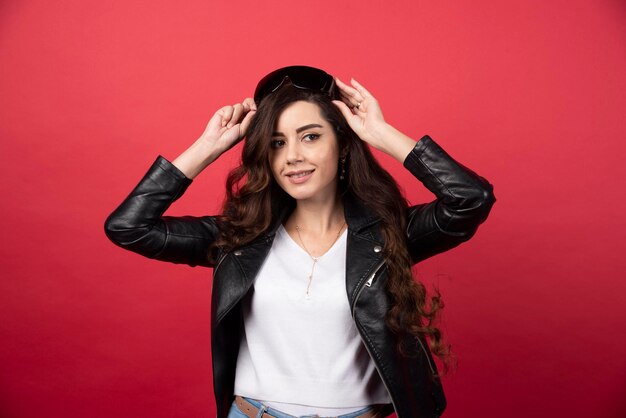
(300,176)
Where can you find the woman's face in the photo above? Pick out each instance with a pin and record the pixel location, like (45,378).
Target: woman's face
(304,153)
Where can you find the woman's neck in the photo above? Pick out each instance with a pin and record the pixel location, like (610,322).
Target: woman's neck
(317,217)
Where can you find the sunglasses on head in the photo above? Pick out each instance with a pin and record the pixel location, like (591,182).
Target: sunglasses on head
(300,76)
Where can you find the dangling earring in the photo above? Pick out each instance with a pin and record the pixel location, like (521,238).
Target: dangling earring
(342,176)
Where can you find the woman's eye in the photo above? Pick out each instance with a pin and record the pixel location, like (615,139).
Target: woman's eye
(310,137)
(277,143)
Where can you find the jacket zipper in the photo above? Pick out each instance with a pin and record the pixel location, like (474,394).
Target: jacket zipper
(368,283)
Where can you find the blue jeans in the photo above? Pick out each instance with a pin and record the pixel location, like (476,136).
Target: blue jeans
(236,413)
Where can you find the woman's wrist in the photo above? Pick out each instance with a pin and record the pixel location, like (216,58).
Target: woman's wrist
(196,158)
(395,143)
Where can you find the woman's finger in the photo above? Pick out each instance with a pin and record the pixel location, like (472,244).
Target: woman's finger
(347,114)
(362,90)
(353,104)
(246,122)
(250,102)
(347,97)
(237,112)
(347,91)
(227,114)
(352,97)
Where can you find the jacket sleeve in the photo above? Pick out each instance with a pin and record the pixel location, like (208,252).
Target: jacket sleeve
(464,200)
(138,223)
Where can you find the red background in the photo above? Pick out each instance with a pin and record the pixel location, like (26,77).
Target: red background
(530,94)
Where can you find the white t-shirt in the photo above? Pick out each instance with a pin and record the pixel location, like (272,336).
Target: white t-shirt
(304,356)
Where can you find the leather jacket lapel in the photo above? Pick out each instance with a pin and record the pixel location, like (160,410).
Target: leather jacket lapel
(364,247)
(240,266)
(234,276)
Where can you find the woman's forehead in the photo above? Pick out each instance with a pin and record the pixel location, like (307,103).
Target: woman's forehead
(299,114)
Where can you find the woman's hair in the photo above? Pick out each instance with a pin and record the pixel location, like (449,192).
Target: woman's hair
(253,198)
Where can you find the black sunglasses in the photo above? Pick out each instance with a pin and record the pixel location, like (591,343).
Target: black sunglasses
(300,76)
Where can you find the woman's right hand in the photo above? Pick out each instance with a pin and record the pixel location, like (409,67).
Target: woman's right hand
(228,125)
(225,129)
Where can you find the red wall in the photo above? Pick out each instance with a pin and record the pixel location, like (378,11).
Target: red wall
(530,94)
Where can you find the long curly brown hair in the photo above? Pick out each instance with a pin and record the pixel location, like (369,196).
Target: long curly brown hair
(253,198)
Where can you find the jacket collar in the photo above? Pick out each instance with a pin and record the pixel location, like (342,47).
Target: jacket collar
(358,215)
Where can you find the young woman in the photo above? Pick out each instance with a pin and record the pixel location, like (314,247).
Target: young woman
(314,308)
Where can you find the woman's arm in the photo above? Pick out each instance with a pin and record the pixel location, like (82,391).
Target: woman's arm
(138,224)
(464,199)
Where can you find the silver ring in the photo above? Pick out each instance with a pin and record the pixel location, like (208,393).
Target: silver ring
(358,104)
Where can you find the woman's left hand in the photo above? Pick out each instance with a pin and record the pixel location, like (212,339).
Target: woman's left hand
(364,116)
(362,112)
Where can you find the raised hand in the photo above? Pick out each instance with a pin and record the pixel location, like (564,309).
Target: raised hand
(365,117)
(361,110)
(228,125)
(226,128)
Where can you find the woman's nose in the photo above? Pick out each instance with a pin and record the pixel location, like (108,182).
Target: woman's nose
(294,154)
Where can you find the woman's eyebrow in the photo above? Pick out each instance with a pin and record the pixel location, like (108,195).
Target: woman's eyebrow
(300,129)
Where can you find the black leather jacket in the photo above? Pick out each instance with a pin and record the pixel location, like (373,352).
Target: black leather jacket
(463,202)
